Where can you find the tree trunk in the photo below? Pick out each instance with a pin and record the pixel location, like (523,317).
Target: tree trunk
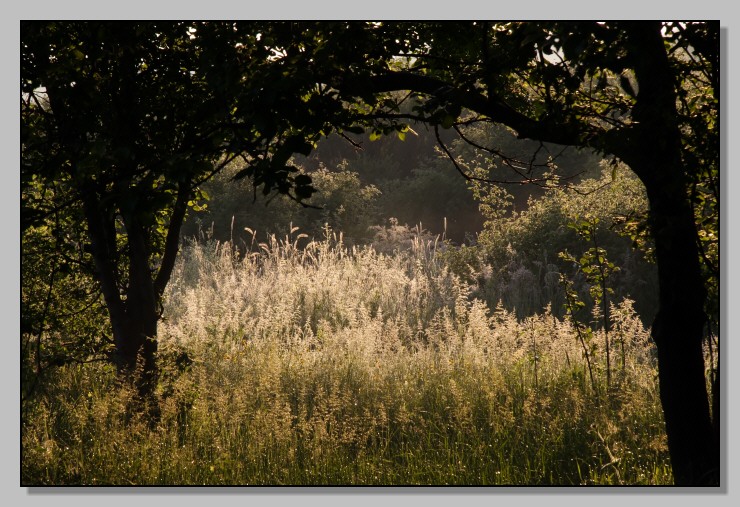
(138,347)
(136,356)
(678,333)
(133,320)
(678,330)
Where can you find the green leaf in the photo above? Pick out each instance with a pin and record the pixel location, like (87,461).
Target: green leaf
(447,121)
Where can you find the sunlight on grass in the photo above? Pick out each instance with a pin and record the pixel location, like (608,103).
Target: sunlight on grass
(329,365)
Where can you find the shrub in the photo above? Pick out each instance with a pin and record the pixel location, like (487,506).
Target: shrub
(521,250)
(341,201)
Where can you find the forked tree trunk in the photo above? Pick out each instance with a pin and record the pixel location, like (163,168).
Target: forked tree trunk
(133,319)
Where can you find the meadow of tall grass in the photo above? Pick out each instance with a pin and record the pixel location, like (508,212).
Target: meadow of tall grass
(311,363)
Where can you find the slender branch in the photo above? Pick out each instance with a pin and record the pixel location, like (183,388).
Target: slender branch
(92,300)
(216,170)
(354,143)
(28,222)
(510,162)
(507,160)
(171,244)
(702,251)
(392,116)
(449,155)
(578,190)
(477,178)
(100,228)
(45,314)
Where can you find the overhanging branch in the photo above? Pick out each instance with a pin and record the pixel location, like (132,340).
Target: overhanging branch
(491,106)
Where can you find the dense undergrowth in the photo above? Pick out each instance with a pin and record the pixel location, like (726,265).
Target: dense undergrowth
(321,364)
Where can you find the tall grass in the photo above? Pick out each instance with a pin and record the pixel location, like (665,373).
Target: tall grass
(320,364)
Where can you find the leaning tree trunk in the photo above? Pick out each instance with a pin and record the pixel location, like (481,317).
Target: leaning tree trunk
(654,153)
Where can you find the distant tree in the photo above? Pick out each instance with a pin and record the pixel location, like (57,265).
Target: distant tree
(531,239)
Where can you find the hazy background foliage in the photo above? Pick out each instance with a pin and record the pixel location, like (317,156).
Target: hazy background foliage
(506,237)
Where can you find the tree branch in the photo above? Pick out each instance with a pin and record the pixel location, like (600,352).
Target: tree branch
(488,181)
(172,242)
(490,105)
(105,266)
